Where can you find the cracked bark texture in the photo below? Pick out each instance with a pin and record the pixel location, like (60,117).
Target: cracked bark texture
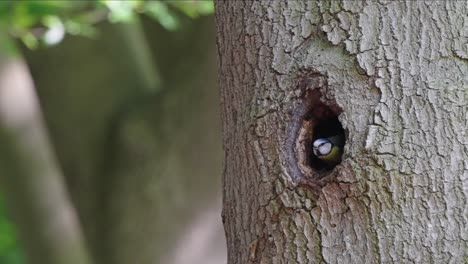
(399,72)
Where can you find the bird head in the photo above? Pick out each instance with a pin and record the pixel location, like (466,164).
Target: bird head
(322,147)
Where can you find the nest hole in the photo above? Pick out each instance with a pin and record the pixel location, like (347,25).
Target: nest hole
(325,128)
(320,121)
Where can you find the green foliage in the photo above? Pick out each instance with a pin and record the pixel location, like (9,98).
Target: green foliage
(47,21)
(10,252)
(30,19)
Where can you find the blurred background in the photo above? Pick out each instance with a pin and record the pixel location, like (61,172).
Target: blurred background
(110,146)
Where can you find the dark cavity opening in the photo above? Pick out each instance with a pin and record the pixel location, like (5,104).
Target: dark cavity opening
(329,127)
(320,121)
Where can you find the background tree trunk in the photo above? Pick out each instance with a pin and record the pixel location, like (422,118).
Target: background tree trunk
(141,162)
(396,73)
(30,177)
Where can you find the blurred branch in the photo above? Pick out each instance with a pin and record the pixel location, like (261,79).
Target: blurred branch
(140,53)
(30,177)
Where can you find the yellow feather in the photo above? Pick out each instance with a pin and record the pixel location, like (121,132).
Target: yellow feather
(333,157)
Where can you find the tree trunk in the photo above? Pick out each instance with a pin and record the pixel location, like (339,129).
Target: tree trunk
(141,165)
(91,87)
(30,177)
(396,75)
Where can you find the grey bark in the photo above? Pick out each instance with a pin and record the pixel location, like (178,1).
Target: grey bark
(399,73)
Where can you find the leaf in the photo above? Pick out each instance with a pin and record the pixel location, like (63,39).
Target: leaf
(162,14)
(10,252)
(194,8)
(121,11)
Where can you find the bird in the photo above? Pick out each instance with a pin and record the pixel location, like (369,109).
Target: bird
(329,149)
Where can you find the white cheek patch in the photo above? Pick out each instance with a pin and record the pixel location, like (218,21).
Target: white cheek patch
(324,149)
(317,143)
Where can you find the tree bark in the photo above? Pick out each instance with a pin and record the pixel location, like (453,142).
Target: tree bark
(396,74)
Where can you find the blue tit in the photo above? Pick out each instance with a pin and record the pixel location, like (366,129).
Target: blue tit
(329,150)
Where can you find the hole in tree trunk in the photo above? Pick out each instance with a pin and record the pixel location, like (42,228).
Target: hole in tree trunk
(327,131)
(321,138)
